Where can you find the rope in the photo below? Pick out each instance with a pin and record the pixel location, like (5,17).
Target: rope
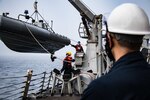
(36,14)
(40,43)
(49,52)
(102,53)
(36,40)
(108,65)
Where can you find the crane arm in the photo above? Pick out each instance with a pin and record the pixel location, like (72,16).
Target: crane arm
(83,9)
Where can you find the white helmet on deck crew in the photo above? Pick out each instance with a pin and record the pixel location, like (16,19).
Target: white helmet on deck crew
(128,19)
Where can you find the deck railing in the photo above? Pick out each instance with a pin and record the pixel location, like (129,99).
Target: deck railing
(19,87)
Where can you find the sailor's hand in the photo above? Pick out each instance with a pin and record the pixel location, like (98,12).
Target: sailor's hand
(73,60)
(53,58)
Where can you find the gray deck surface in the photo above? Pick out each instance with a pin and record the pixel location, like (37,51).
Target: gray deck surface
(61,98)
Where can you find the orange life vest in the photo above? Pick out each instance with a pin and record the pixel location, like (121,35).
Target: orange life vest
(78,48)
(68,59)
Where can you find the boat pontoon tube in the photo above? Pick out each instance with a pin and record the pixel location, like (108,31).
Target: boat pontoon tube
(16,35)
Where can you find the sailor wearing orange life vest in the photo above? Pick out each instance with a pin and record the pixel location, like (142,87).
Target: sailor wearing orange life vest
(67,65)
(78,47)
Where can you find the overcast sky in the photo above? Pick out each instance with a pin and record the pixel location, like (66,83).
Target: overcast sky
(65,17)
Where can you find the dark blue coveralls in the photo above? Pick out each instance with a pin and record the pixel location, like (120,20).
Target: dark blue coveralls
(129,79)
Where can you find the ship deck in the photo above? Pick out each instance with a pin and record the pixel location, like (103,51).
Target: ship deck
(58,97)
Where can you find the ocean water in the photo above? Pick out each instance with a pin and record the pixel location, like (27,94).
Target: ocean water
(17,65)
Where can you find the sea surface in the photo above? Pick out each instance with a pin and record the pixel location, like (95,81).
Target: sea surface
(17,65)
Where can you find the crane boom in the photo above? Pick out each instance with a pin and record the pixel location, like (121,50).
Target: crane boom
(83,9)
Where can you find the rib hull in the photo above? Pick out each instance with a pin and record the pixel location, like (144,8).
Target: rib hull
(16,35)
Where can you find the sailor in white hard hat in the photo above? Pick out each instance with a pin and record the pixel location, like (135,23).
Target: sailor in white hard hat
(129,77)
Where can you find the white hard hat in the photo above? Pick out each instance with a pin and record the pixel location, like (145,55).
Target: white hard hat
(129,19)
